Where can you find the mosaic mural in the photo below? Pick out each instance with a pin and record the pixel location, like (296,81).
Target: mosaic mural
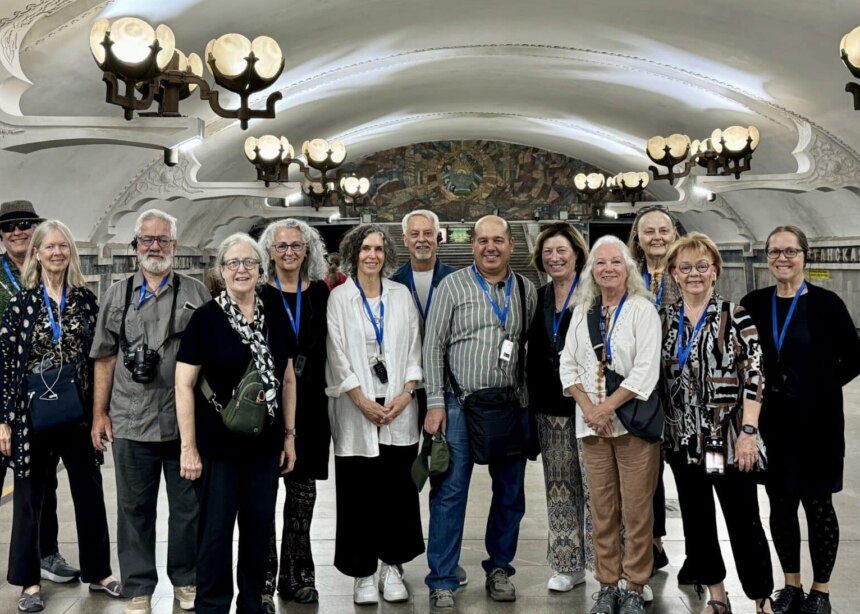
(468,179)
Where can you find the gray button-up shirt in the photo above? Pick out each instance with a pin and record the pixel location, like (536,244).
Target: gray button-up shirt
(145,412)
(463,328)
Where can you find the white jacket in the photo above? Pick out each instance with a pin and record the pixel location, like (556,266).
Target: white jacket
(348,366)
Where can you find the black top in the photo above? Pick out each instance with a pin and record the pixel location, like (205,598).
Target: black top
(544,383)
(210,342)
(313,434)
(802,420)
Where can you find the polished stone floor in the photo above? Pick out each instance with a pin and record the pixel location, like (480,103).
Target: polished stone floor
(336,590)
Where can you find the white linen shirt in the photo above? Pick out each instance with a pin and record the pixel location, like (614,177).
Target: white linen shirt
(349,366)
(636,339)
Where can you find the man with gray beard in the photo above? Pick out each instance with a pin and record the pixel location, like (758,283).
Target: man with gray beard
(136,340)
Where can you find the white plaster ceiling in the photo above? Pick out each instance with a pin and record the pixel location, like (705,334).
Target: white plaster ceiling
(593,79)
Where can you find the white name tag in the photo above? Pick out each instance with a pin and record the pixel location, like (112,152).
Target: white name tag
(507,350)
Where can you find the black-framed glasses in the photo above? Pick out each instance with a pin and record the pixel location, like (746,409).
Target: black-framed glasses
(147,240)
(283,248)
(702,266)
(774,253)
(233,264)
(21,225)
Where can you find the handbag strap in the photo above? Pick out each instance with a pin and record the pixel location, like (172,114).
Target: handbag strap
(593,318)
(521,352)
(209,393)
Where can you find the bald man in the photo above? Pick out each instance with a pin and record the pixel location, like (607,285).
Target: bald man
(477,327)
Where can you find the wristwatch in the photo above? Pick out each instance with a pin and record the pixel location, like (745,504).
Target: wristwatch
(749,429)
(411,393)
(289,432)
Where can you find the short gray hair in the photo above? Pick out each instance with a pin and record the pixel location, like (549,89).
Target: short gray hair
(588,288)
(155,214)
(235,239)
(432,217)
(314,265)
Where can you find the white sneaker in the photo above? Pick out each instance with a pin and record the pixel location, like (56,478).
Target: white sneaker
(563,582)
(647,593)
(391,583)
(141,604)
(185,595)
(364,591)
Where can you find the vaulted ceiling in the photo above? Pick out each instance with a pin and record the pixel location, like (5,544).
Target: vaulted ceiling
(592,79)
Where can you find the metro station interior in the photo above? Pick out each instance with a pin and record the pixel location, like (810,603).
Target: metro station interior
(467,109)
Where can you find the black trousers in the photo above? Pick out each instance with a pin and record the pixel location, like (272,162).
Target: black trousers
(378,513)
(737,492)
(229,489)
(49,528)
(139,466)
(660,505)
(296,561)
(74,446)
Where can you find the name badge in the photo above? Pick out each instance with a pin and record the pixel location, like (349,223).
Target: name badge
(299,365)
(381,372)
(507,350)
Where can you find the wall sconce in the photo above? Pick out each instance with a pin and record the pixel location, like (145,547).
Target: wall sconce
(849,50)
(272,157)
(726,152)
(147,62)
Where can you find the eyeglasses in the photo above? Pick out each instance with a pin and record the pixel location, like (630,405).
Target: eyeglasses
(22,225)
(283,248)
(701,266)
(147,240)
(233,265)
(789,252)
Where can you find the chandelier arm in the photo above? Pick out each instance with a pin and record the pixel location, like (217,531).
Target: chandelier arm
(127,101)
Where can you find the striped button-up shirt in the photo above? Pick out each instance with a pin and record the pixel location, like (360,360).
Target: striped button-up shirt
(463,329)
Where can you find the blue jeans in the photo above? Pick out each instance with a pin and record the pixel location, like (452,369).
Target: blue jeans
(448,496)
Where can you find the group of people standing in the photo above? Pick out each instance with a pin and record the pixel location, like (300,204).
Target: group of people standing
(391,353)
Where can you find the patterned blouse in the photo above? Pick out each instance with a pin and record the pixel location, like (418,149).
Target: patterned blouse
(724,367)
(25,338)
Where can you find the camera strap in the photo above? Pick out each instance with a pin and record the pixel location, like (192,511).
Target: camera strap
(171,323)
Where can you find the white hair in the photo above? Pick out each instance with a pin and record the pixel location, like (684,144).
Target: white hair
(588,288)
(234,239)
(429,215)
(155,214)
(314,265)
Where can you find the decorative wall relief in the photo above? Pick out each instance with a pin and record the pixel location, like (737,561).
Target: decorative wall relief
(468,179)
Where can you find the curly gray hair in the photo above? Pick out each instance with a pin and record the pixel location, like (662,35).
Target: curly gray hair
(350,246)
(234,239)
(314,265)
(588,288)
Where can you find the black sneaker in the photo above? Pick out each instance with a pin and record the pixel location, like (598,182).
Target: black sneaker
(816,603)
(660,559)
(788,600)
(606,601)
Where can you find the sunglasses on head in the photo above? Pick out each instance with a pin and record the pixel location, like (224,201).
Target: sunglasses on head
(22,225)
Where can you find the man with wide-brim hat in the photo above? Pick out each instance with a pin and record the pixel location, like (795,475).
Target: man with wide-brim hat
(18,220)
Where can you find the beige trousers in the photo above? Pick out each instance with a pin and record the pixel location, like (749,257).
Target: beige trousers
(622,475)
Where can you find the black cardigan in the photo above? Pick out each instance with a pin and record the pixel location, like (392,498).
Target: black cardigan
(544,383)
(805,437)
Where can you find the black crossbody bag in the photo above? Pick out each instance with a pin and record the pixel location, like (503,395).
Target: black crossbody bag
(643,419)
(494,415)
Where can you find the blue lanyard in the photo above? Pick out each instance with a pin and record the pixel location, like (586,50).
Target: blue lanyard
(379,330)
(296,322)
(558,317)
(56,328)
(607,341)
(424,311)
(9,273)
(502,314)
(145,294)
(658,301)
(684,350)
(778,340)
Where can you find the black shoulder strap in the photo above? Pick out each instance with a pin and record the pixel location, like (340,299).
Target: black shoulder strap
(524,329)
(593,317)
(171,323)
(123,341)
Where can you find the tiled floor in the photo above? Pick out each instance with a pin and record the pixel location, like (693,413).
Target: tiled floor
(533,572)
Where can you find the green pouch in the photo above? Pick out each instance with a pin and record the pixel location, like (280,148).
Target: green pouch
(247,410)
(432,459)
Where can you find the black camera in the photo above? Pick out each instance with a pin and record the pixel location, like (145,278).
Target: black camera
(142,363)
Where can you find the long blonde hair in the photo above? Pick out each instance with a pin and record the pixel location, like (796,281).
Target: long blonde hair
(32,273)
